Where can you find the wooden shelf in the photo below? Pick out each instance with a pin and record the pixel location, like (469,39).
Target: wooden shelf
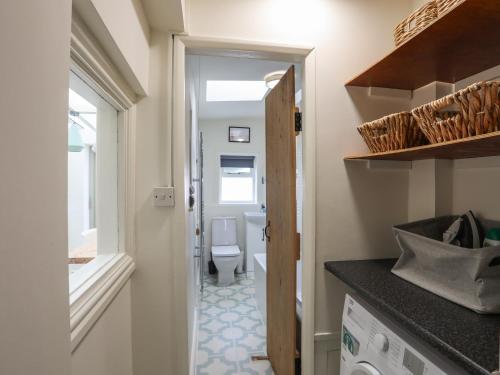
(462,42)
(473,147)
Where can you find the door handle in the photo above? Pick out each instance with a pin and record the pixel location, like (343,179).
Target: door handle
(263,234)
(266,233)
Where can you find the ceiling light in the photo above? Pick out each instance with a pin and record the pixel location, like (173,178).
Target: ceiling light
(75,140)
(273,78)
(235,91)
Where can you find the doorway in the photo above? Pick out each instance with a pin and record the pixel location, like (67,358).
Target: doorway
(236,49)
(226,101)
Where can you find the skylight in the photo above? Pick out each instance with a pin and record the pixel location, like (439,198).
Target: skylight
(235,91)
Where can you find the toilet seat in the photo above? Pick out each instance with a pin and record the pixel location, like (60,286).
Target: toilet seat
(225,251)
(227,259)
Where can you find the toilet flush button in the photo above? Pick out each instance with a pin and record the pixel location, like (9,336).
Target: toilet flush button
(381,342)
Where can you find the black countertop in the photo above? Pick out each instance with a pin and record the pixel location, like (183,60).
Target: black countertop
(468,339)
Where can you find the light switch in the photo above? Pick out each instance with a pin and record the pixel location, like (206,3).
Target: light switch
(163,196)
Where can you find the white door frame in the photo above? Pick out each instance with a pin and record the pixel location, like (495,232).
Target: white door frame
(269,51)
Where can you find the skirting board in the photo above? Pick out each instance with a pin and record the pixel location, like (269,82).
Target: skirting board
(327,353)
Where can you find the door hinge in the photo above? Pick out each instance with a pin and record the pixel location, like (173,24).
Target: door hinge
(298,122)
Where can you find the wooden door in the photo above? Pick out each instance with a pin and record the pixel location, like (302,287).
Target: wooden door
(281,230)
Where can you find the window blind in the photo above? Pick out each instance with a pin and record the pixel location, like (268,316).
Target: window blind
(236,161)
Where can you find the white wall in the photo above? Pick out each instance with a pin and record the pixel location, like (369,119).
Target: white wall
(417,4)
(427,192)
(475,185)
(453,187)
(349,196)
(123,20)
(356,207)
(166,15)
(121,28)
(107,348)
(153,333)
(215,134)
(476,182)
(34,317)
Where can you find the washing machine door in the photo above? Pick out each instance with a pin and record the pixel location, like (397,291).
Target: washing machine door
(363,368)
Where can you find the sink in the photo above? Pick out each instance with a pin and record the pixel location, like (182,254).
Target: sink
(254,237)
(258,218)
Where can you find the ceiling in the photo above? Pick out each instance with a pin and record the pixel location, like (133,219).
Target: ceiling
(200,69)
(166,15)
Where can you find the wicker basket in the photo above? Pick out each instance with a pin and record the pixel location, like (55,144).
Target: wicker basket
(472,111)
(415,22)
(392,132)
(444,5)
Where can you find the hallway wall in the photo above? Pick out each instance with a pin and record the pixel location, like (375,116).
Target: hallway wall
(34,313)
(34,319)
(107,348)
(122,30)
(162,307)
(153,331)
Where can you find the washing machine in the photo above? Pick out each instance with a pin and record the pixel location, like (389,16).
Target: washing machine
(373,345)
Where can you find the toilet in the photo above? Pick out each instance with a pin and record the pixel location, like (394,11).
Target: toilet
(225,252)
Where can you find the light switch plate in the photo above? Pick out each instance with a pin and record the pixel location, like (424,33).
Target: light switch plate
(163,196)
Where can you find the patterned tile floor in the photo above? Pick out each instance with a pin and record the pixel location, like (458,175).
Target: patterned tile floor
(230,330)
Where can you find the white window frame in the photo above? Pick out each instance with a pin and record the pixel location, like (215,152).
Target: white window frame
(107,189)
(116,246)
(254,176)
(92,288)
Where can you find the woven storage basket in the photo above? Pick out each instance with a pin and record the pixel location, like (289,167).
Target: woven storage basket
(472,111)
(392,132)
(444,5)
(415,22)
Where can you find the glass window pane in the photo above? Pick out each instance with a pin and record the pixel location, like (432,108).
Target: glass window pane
(236,171)
(237,189)
(92,174)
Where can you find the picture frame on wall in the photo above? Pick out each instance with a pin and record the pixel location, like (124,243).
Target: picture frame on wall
(239,134)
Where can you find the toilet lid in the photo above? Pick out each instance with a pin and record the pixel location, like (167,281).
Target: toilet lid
(225,251)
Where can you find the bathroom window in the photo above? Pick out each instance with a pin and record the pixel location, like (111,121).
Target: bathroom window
(92,175)
(237,179)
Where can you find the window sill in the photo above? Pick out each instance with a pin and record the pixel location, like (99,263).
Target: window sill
(238,203)
(93,288)
(78,278)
